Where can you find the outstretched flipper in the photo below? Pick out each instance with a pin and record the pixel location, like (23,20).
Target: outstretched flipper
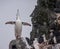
(25,23)
(10,22)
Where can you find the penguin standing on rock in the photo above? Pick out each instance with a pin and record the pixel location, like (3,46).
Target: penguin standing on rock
(18,25)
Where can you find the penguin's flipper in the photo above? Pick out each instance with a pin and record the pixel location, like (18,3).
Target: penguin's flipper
(10,22)
(25,23)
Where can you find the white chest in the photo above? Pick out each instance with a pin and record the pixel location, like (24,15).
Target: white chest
(18,26)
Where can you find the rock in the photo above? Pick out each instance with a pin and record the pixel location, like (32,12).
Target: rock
(17,44)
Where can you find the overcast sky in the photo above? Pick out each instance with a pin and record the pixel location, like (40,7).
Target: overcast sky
(8,10)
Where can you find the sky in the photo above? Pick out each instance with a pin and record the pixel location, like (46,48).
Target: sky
(8,10)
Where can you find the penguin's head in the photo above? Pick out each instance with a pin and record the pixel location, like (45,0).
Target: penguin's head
(17,15)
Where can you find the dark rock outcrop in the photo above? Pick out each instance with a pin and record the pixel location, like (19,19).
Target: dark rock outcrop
(17,44)
(43,16)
